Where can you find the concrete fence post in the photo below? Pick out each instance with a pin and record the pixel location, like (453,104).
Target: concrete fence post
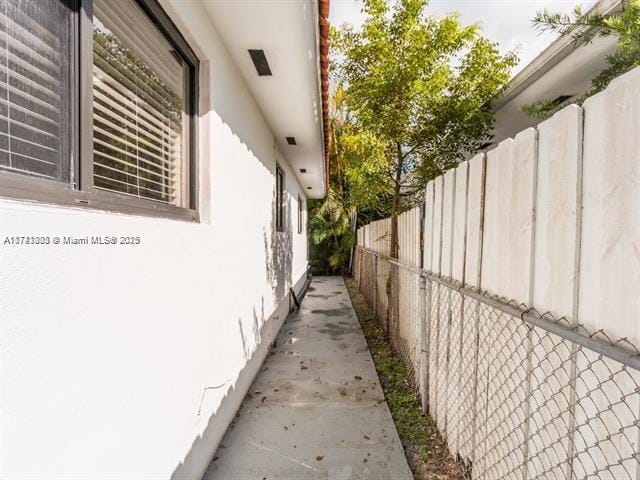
(375,287)
(424,346)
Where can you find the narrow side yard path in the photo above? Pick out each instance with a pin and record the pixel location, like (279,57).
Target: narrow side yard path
(316,409)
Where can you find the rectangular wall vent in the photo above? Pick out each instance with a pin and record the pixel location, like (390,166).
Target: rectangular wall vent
(291,140)
(303,170)
(259,60)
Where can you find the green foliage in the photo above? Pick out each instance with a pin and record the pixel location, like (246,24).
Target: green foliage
(583,28)
(419,89)
(412,99)
(331,219)
(351,177)
(365,170)
(329,234)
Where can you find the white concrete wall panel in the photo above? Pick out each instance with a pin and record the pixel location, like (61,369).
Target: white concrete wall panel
(610,264)
(448,205)
(459,222)
(376,239)
(511,381)
(429,212)
(409,317)
(430,263)
(557,212)
(609,274)
(490,280)
(508,226)
(475,215)
(469,352)
(379,236)
(434,318)
(444,310)
(457,326)
(493,238)
(486,355)
(385,233)
(442,368)
(409,237)
(509,218)
(520,206)
(436,260)
(554,290)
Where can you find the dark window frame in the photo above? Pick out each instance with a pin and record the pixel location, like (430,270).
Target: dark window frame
(80,190)
(300,215)
(280,194)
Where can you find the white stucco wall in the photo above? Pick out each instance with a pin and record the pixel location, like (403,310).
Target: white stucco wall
(110,355)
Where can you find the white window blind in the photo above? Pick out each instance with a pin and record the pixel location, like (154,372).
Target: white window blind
(34,87)
(140,127)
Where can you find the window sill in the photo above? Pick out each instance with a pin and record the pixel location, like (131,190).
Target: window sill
(36,190)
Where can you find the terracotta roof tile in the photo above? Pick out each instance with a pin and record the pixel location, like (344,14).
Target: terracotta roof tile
(323,10)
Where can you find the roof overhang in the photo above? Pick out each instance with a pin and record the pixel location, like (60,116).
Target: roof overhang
(564,68)
(292,98)
(552,56)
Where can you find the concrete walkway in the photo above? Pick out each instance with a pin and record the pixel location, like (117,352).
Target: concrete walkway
(316,409)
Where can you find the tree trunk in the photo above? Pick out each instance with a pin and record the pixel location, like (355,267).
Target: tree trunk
(354,239)
(392,279)
(395,205)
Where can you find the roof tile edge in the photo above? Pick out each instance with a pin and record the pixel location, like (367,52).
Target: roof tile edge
(323,10)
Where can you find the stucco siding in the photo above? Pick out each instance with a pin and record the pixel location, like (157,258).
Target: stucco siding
(130,361)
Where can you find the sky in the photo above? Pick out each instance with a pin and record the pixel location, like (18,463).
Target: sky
(507,22)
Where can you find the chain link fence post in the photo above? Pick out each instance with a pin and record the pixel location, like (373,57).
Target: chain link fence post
(424,352)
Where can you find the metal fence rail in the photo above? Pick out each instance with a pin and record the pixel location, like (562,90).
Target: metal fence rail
(516,394)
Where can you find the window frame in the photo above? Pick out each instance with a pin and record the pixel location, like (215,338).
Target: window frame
(280,193)
(80,191)
(300,215)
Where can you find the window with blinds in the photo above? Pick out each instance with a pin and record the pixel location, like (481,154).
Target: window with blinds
(140,115)
(35,107)
(97,110)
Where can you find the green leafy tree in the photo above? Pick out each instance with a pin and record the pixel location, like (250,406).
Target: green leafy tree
(330,234)
(418,88)
(584,28)
(332,219)
(355,192)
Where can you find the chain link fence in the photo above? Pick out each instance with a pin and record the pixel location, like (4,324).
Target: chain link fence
(392,292)
(515,394)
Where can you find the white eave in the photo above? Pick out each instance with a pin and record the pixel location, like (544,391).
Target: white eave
(289,99)
(563,68)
